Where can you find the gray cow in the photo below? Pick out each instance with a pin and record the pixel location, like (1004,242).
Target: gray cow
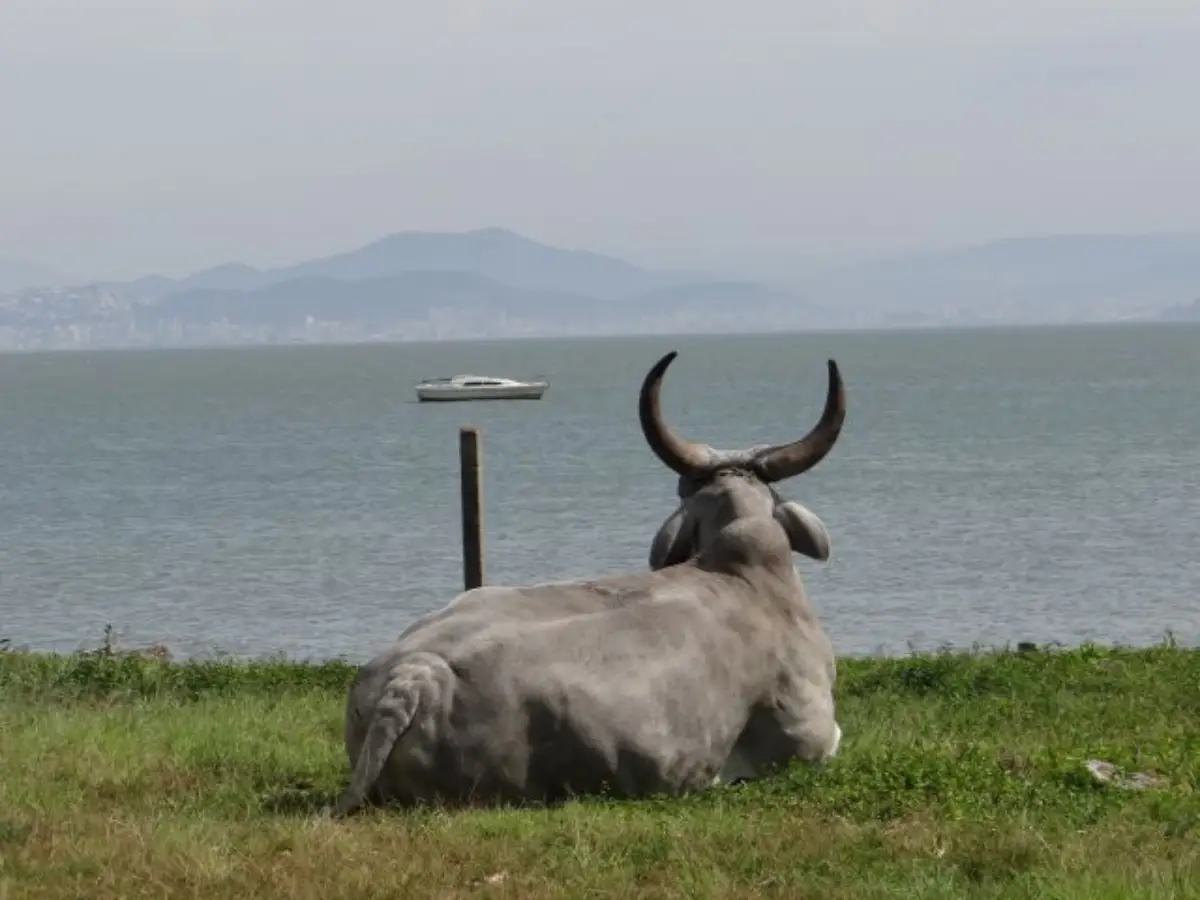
(712,666)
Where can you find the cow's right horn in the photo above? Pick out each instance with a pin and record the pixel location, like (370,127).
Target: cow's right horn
(788,460)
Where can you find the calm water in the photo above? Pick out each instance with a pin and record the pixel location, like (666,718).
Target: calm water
(989,486)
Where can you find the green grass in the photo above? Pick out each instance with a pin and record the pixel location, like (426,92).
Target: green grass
(960,775)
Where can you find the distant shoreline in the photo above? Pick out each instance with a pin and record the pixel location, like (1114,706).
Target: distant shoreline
(1144,323)
(110,647)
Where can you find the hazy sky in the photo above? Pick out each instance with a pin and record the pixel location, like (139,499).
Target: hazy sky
(169,135)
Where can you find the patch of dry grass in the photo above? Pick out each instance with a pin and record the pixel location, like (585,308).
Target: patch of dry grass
(960,775)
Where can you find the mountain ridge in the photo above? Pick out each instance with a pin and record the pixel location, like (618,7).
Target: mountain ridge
(497,252)
(493,283)
(1064,277)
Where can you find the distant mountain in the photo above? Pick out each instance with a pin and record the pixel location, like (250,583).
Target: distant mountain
(17,275)
(230,276)
(495,252)
(736,305)
(374,303)
(1069,277)
(413,285)
(1182,313)
(718,295)
(416,300)
(493,283)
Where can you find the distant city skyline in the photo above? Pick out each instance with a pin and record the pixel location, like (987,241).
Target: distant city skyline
(764,138)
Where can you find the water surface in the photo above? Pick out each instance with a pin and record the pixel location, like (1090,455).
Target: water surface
(989,486)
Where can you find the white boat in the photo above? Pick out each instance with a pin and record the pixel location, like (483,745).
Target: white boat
(479,387)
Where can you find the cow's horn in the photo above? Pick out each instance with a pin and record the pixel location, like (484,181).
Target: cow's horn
(788,460)
(682,457)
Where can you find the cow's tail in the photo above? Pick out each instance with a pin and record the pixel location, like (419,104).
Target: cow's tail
(413,683)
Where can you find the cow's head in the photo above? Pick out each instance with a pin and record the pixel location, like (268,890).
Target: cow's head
(718,487)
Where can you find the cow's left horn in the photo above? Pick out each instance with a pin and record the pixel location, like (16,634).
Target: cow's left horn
(682,457)
(789,460)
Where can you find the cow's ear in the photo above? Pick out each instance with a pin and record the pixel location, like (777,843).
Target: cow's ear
(675,541)
(806,533)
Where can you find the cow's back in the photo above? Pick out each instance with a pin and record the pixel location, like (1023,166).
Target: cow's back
(644,696)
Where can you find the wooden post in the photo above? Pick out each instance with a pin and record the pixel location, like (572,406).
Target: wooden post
(472,507)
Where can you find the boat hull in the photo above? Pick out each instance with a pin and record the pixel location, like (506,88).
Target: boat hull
(442,394)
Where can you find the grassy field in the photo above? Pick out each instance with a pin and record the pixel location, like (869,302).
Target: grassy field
(961,775)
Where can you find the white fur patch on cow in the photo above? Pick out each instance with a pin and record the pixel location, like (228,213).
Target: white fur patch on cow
(837,741)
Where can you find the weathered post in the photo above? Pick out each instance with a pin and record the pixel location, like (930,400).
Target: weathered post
(472,507)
